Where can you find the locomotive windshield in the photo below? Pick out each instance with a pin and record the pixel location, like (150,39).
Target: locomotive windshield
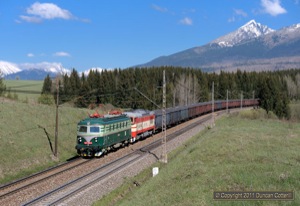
(94,129)
(83,129)
(86,129)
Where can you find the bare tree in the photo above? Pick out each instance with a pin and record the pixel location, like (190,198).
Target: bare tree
(291,86)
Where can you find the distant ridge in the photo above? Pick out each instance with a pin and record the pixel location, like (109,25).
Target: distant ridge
(252,47)
(29,71)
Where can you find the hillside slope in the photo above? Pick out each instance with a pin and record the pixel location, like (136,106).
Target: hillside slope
(242,153)
(24,144)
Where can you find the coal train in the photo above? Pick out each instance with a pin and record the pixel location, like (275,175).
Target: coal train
(97,134)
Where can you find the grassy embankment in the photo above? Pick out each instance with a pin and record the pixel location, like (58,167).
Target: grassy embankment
(24,132)
(26,128)
(245,152)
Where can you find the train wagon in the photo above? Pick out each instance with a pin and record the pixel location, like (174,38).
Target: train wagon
(173,117)
(218,105)
(198,109)
(184,113)
(98,134)
(250,102)
(234,103)
(142,123)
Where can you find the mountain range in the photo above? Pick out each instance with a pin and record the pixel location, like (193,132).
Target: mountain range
(37,71)
(29,71)
(252,47)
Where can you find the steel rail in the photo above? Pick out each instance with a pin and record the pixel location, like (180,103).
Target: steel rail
(13,184)
(141,152)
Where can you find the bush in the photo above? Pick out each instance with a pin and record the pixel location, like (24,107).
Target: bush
(46,99)
(257,114)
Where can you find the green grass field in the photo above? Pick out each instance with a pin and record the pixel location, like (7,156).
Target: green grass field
(24,144)
(26,90)
(255,155)
(245,152)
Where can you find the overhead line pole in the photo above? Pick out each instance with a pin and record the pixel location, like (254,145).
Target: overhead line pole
(241,99)
(164,157)
(227,102)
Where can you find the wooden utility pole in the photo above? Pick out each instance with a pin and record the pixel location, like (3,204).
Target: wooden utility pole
(164,157)
(56,124)
(213,104)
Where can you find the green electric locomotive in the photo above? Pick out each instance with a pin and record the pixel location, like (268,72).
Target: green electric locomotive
(98,134)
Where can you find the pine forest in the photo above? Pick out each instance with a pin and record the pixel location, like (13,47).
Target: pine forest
(135,88)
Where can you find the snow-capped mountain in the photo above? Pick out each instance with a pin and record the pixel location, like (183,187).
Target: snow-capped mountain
(7,68)
(282,36)
(86,72)
(51,67)
(250,30)
(251,47)
(31,71)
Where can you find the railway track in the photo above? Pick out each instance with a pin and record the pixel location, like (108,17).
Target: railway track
(72,188)
(22,184)
(33,191)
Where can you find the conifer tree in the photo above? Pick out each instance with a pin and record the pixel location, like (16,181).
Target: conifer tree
(47,86)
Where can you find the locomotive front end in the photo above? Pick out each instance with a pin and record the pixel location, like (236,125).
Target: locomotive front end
(89,140)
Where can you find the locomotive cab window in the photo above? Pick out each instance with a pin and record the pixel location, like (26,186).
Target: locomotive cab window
(132,120)
(94,129)
(83,129)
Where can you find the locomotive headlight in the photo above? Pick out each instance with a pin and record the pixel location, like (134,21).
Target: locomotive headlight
(79,139)
(96,140)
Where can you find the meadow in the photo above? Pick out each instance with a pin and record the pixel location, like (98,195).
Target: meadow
(26,131)
(251,151)
(26,90)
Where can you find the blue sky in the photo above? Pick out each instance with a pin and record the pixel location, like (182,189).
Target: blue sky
(83,34)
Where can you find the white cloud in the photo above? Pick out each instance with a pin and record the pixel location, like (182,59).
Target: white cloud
(232,19)
(30,19)
(273,7)
(238,15)
(30,55)
(39,11)
(240,12)
(48,11)
(186,21)
(158,8)
(62,54)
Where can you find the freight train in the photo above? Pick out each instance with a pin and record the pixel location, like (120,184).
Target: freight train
(97,134)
